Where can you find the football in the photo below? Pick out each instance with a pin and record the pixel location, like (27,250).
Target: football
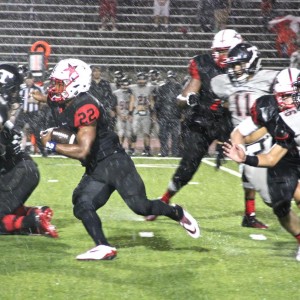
(63,136)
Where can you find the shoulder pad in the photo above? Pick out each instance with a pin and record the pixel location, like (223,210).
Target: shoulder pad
(284,136)
(264,110)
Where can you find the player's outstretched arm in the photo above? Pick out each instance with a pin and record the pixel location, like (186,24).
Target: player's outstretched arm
(264,160)
(234,151)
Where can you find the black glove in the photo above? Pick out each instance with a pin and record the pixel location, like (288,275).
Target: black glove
(193,99)
(11,138)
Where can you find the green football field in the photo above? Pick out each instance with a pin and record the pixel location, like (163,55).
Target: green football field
(225,263)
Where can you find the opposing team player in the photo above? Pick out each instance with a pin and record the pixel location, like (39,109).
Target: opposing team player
(141,108)
(205,120)
(124,126)
(279,114)
(19,174)
(108,167)
(244,83)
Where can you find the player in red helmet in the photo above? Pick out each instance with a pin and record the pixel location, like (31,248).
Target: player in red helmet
(205,120)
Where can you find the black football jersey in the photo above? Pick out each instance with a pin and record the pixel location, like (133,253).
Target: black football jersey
(83,111)
(283,126)
(7,157)
(204,68)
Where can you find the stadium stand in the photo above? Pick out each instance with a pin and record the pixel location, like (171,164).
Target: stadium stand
(71,27)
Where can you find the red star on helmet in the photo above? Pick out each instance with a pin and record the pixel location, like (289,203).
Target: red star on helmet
(72,70)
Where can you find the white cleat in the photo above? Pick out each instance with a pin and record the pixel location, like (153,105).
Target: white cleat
(298,254)
(190,225)
(101,252)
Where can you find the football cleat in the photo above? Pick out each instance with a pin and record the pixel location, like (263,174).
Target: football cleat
(146,153)
(44,217)
(190,225)
(298,254)
(101,252)
(251,221)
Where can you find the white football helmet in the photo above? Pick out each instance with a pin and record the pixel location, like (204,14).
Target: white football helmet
(222,41)
(69,78)
(284,87)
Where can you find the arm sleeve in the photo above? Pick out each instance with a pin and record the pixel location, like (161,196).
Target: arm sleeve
(247,126)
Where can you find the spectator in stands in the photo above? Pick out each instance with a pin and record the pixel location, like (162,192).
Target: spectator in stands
(101,89)
(286,38)
(108,12)
(168,115)
(295,57)
(205,15)
(222,10)
(161,11)
(266,7)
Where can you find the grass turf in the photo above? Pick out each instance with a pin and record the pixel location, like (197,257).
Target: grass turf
(225,263)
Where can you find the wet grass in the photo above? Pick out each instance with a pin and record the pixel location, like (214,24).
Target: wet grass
(225,263)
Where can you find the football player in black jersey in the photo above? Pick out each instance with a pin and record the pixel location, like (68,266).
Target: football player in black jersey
(279,114)
(205,120)
(108,167)
(19,175)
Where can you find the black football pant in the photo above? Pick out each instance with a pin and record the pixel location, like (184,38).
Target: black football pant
(16,185)
(282,183)
(116,172)
(195,147)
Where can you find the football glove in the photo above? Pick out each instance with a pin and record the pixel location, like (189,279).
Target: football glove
(15,143)
(11,138)
(192,99)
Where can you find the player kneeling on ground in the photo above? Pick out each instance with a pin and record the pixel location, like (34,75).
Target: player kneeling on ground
(108,167)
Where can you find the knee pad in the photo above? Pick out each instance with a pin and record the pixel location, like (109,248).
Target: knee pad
(282,209)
